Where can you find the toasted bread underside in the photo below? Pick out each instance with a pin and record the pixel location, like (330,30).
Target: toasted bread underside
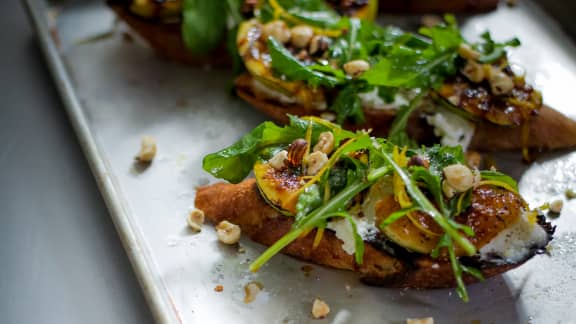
(166,39)
(549,130)
(242,204)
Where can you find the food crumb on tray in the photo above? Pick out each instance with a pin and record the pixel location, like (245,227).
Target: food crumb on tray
(195,220)
(147,149)
(251,290)
(320,309)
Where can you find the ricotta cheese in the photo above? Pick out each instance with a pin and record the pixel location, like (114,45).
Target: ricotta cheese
(452,129)
(372,99)
(514,243)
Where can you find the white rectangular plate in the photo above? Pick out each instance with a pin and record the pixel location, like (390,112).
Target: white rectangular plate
(116,91)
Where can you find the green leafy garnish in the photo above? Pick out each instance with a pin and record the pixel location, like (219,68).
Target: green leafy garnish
(347,105)
(492,51)
(285,64)
(203,25)
(398,134)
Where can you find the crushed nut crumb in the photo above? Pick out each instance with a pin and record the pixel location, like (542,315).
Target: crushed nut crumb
(556,206)
(320,309)
(251,290)
(228,233)
(196,219)
(147,150)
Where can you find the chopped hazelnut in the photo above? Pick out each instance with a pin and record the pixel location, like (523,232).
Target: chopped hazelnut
(473,71)
(251,290)
(301,36)
(467,52)
(320,309)
(147,149)
(315,163)
(196,219)
(325,143)
(459,177)
(278,161)
(500,82)
(278,30)
(556,206)
(228,233)
(356,68)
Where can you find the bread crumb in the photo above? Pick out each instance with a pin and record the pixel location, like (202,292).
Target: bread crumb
(219,288)
(320,309)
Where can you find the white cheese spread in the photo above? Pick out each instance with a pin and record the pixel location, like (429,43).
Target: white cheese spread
(514,243)
(372,99)
(452,129)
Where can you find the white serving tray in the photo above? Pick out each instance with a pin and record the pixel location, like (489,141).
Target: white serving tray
(117,91)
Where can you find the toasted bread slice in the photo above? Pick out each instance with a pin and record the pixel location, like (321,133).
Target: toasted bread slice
(549,129)
(243,205)
(166,39)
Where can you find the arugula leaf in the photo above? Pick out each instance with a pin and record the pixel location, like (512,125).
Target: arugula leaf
(492,51)
(203,25)
(433,185)
(311,12)
(308,200)
(347,105)
(397,133)
(284,63)
(235,162)
(419,64)
(443,156)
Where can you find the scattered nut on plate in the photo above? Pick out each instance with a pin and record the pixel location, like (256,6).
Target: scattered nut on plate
(196,219)
(228,233)
(320,309)
(556,206)
(251,290)
(147,149)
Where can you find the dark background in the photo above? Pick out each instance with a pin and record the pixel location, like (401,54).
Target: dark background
(60,258)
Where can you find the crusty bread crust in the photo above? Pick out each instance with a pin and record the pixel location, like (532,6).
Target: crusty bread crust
(549,130)
(166,40)
(242,204)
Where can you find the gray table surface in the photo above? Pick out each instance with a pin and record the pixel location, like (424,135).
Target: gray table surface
(60,258)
